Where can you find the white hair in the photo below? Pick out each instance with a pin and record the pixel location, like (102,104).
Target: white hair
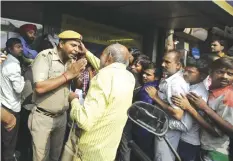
(116,51)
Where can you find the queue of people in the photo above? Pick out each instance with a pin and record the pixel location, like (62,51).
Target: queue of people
(39,98)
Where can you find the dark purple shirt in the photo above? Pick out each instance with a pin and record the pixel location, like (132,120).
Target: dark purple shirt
(143,95)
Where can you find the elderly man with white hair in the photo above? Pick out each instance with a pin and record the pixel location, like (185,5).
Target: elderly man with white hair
(104,113)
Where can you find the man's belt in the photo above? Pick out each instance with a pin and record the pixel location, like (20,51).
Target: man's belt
(47,113)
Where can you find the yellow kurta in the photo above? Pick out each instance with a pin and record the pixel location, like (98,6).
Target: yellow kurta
(104,113)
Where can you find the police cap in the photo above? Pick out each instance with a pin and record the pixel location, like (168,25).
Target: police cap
(69,34)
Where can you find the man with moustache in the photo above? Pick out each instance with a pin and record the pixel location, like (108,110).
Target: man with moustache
(52,72)
(27,37)
(172,84)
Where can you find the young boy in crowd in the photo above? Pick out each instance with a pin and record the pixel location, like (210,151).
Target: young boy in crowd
(195,72)
(149,78)
(134,53)
(217,122)
(137,68)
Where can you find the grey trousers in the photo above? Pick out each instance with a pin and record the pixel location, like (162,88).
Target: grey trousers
(162,150)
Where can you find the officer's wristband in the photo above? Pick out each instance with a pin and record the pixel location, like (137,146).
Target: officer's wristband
(65,77)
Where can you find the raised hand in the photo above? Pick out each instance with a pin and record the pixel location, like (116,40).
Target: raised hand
(197,101)
(82,48)
(181,101)
(3,57)
(76,68)
(152,91)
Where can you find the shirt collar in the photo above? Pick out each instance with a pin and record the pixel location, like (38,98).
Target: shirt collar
(193,86)
(55,54)
(177,74)
(13,58)
(116,65)
(218,92)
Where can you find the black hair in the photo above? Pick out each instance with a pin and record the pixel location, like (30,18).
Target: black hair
(134,51)
(11,42)
(221,42)
(143,60)
(201,64)
(152,66)
(224,62)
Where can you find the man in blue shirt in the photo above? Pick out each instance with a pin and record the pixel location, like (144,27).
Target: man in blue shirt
(27,36)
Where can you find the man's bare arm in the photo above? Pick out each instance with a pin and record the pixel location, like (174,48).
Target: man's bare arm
(204,124)
(176,113)
(220,122)
(182,102)
(51,84)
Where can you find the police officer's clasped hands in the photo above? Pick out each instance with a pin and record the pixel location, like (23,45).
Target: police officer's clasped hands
(76,68)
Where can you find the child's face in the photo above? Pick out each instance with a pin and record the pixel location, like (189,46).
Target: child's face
(136,68)
(192,75)
(148,76)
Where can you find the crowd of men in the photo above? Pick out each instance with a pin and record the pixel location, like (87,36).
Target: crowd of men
(65,84)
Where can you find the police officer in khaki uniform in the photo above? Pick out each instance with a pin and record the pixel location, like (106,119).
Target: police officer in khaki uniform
(52,70)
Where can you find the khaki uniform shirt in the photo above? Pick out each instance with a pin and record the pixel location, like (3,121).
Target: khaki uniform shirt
(48,65)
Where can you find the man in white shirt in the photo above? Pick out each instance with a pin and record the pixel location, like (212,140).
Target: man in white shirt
(194,73)
(12,84)
(173,84)
(6,117)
